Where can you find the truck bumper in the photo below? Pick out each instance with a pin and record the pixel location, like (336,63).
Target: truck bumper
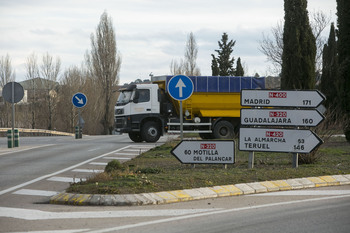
(123,124)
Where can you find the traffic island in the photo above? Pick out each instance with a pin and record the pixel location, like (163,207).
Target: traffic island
(166,197)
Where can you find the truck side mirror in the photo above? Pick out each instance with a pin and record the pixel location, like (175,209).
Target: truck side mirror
(136,97)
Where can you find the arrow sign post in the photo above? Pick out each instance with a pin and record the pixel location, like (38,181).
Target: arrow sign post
(79,100)
(205,152)
(180,88)
(278,140)
(278,98)
(281,117)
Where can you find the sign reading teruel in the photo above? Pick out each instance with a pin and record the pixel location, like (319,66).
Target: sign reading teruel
(206,152)
(278,140)
(281,117)
(277,98)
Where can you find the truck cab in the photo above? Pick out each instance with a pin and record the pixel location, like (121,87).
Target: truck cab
(137,112)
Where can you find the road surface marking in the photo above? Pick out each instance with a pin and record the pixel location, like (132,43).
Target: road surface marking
(30,214)
(223,211)
(99,164)
(88,170)
(33,192)
(305,193)
(59,172)
(66,179)
(118,158)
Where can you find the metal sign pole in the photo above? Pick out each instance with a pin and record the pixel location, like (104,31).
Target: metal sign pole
(181,121)
(13,114)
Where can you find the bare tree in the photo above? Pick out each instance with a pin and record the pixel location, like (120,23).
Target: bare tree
(6,75)
(32,73)
(104,64)
(191,56)
(187,66)
(272,47)
(50,70)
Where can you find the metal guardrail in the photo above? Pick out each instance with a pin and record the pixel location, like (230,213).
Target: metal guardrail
(38,132)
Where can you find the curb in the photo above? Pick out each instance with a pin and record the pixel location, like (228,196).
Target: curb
(198,193)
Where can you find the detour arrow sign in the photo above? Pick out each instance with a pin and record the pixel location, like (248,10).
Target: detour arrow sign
(278,140)
(213,152)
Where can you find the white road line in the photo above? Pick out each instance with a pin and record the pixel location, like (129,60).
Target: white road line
(88,170)
(97,163)
(305,193)
(31,148)
(66,179)
(178,218)
(94,149)
(58,172)
(30,214)
(118,158)
(122,153)
(33,192)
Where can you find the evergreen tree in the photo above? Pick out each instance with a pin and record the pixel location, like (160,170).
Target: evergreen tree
(223,64)
(239,68)
(343,12)
(330,85)
(299,51)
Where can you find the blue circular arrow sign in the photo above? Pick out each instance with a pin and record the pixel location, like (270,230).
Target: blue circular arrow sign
(180,87)
(79,100)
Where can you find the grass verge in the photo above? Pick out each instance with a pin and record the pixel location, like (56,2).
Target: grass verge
(157,170)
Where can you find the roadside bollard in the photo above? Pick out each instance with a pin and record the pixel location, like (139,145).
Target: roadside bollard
(16,139)
(78,132)
(9,139)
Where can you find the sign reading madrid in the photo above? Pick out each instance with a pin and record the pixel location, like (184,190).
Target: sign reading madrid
(216,152)
(278,98)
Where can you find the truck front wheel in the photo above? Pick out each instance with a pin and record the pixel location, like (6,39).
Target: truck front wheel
(223,130)
(150,131)
(135,137)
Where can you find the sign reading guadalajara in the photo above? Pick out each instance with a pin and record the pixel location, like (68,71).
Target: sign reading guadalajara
(213,152)
(281,117)
(278,98)
(278,140)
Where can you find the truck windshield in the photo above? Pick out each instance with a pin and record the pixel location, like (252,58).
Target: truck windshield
(124,97)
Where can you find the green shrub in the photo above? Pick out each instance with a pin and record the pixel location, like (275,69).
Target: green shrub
(113,166)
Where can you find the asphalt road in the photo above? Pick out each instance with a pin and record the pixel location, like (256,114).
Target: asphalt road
(43,166)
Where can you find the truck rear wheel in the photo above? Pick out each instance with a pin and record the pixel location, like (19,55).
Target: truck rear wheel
(135,137)
(223,130)
(150,132)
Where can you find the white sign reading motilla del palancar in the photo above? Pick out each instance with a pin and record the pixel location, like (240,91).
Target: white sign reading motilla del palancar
(206,152)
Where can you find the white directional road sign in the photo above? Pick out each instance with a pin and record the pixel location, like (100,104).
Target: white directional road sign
(216,152)
(278,140)
(79,100)
(281,117)
(280,98)
(180,87)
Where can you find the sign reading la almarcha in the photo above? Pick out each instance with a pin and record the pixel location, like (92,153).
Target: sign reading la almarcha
(278,140)
(205,152)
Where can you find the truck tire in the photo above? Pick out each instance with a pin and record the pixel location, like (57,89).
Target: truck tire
(223,130)
(150,131)
(135,137)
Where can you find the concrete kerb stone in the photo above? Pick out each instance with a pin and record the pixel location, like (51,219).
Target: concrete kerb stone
(258,187)
(341,179)
(198,193)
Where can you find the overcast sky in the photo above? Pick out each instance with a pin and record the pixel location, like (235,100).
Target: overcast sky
(149,33)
